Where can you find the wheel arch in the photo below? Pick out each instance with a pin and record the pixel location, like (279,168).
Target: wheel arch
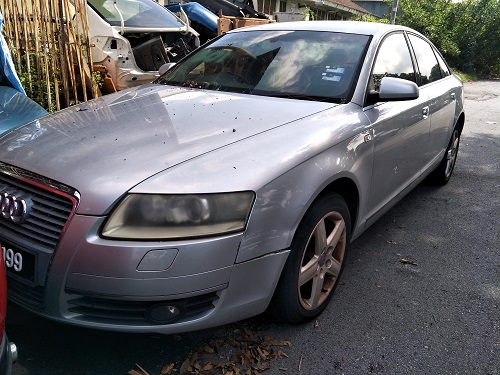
(286,303)
(348,190)
(460,123)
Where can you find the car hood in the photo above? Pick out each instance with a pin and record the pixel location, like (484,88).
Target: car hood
(106,146)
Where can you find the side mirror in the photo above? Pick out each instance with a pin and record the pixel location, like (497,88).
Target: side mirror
(165,67)
(394,89)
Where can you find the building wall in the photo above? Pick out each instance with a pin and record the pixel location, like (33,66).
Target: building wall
(284,10)
(376,7)
(267,6)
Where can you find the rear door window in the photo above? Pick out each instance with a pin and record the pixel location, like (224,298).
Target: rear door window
(445,71)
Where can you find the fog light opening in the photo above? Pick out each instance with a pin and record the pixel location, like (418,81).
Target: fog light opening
(163,313)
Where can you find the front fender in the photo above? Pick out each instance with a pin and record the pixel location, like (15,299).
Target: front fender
(281,204)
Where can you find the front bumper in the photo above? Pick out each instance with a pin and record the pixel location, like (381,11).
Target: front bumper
(247,293)
(166,287)
(66,272)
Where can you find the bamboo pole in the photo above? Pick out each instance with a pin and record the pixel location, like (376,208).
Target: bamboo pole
(54,55)
(38,55)
(80,27)
(15,24)
(74,53)
(69,50)
(77,35)
(45,43)
(26,35)
(63,42)
(51,49)
(85,27)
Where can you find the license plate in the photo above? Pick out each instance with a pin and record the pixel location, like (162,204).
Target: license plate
(19,262)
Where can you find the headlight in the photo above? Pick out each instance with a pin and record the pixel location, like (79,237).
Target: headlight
(156,217)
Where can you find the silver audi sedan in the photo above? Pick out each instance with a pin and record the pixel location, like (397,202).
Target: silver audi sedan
(232,185)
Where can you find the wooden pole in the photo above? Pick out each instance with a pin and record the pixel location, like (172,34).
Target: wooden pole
(54,55)
(63,42)
(45,24)
(27,38)
(70,50)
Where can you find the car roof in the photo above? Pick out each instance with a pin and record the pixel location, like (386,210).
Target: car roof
(355,27)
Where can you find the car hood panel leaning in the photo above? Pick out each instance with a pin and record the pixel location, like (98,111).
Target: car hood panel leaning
(106,146)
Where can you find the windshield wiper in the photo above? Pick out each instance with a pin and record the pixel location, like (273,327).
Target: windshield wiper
(290,95)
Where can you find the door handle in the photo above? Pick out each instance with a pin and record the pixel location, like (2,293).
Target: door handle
(425,112)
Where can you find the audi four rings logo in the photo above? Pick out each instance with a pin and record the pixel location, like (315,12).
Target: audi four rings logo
(14,209)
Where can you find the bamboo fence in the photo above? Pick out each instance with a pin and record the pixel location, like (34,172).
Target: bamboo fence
(50,46)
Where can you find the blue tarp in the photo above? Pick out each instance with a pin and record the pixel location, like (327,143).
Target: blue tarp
(15,107)
(8,75)
(198,13)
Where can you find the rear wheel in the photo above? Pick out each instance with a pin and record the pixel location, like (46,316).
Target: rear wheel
(315,263)
(443,172)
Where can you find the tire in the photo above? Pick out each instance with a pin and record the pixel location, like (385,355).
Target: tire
(442,174)
(315,263)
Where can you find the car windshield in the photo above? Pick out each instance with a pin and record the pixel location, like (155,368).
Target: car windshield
(307,65)
(136,13)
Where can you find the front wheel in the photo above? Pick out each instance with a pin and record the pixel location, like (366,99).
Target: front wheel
(442,174)
(315,263)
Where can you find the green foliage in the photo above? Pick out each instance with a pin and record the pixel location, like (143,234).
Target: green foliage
(37,88)
(478,37)
(41,87)
(467,77)
(97,77)
(308,15)
(467,32)
(369,18)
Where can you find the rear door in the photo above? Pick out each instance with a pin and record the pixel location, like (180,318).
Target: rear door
(435,81)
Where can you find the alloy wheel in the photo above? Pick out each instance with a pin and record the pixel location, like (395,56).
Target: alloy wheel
(322,261)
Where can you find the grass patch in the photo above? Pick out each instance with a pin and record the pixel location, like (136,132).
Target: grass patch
(466,77)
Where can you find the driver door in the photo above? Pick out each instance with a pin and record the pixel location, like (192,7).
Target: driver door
(400,128)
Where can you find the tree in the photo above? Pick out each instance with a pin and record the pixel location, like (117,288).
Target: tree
(477,35)
(467,32)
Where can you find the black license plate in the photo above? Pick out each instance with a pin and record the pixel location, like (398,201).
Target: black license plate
(19,262)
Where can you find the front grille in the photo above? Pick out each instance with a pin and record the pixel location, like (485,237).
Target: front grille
(48,215)
(50,207)
(131,313)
